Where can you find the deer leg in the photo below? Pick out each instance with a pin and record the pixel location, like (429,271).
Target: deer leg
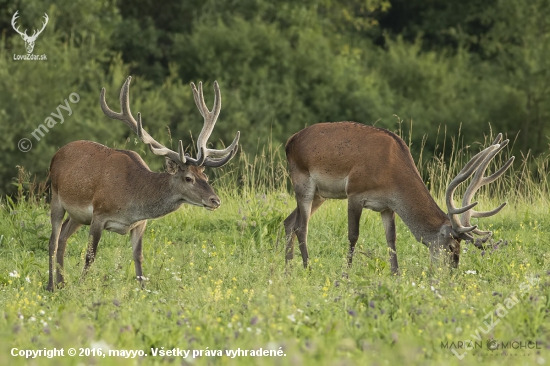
(301,229)
(96,228)
(291,225)
(388,219)
(355,209)
(290,234)
(455,255)
(302,221)
(69,228)
(136,235)
(56,218)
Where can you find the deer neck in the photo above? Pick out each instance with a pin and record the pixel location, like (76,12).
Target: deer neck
(418,210)
(156,195)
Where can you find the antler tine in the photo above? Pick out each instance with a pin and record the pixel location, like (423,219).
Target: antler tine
(214,163)
(464,174)
(205,156)
(497,139)
(126,116)
(157,148)
(210,117)
(221,153)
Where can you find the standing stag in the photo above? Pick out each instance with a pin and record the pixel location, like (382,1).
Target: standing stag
(115,190)
(374,169)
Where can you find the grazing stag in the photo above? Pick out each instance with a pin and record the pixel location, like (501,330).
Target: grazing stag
(373,169)
(114,190)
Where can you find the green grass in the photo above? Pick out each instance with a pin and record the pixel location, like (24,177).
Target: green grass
(217,281)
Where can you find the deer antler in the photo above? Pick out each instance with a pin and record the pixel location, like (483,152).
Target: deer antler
(479,180)
(210,117)
(126,116)
(477,164)
(157,148)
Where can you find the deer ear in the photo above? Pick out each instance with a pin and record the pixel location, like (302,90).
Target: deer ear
(171,166)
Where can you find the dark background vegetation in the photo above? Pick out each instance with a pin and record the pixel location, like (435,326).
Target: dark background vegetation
(468,66)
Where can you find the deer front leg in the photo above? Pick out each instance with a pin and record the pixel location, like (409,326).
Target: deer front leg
(96,229)
(69,228)
(388,219)
(355,209)
(136,236)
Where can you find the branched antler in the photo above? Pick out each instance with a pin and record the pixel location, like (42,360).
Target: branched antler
(478,164)
(479,180)
(204,155)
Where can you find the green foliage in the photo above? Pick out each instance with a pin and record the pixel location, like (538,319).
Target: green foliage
(519,44)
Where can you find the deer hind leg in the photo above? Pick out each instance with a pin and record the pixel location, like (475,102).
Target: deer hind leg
(290,234)
(307,208)
(388,219)
(96,229)
(69,228)
(56,218)
(292,225)
(136,235)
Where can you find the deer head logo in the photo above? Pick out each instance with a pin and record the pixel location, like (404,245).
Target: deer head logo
(29,40)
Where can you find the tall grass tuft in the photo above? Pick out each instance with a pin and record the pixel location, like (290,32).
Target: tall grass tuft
(249,174)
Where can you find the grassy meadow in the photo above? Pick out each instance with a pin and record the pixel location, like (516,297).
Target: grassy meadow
(218,282)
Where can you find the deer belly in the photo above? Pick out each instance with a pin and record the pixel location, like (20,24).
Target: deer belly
(375,204)
(330,186)
(117,227)
(80,214)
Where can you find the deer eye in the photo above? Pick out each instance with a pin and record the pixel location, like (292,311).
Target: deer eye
(189,179)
